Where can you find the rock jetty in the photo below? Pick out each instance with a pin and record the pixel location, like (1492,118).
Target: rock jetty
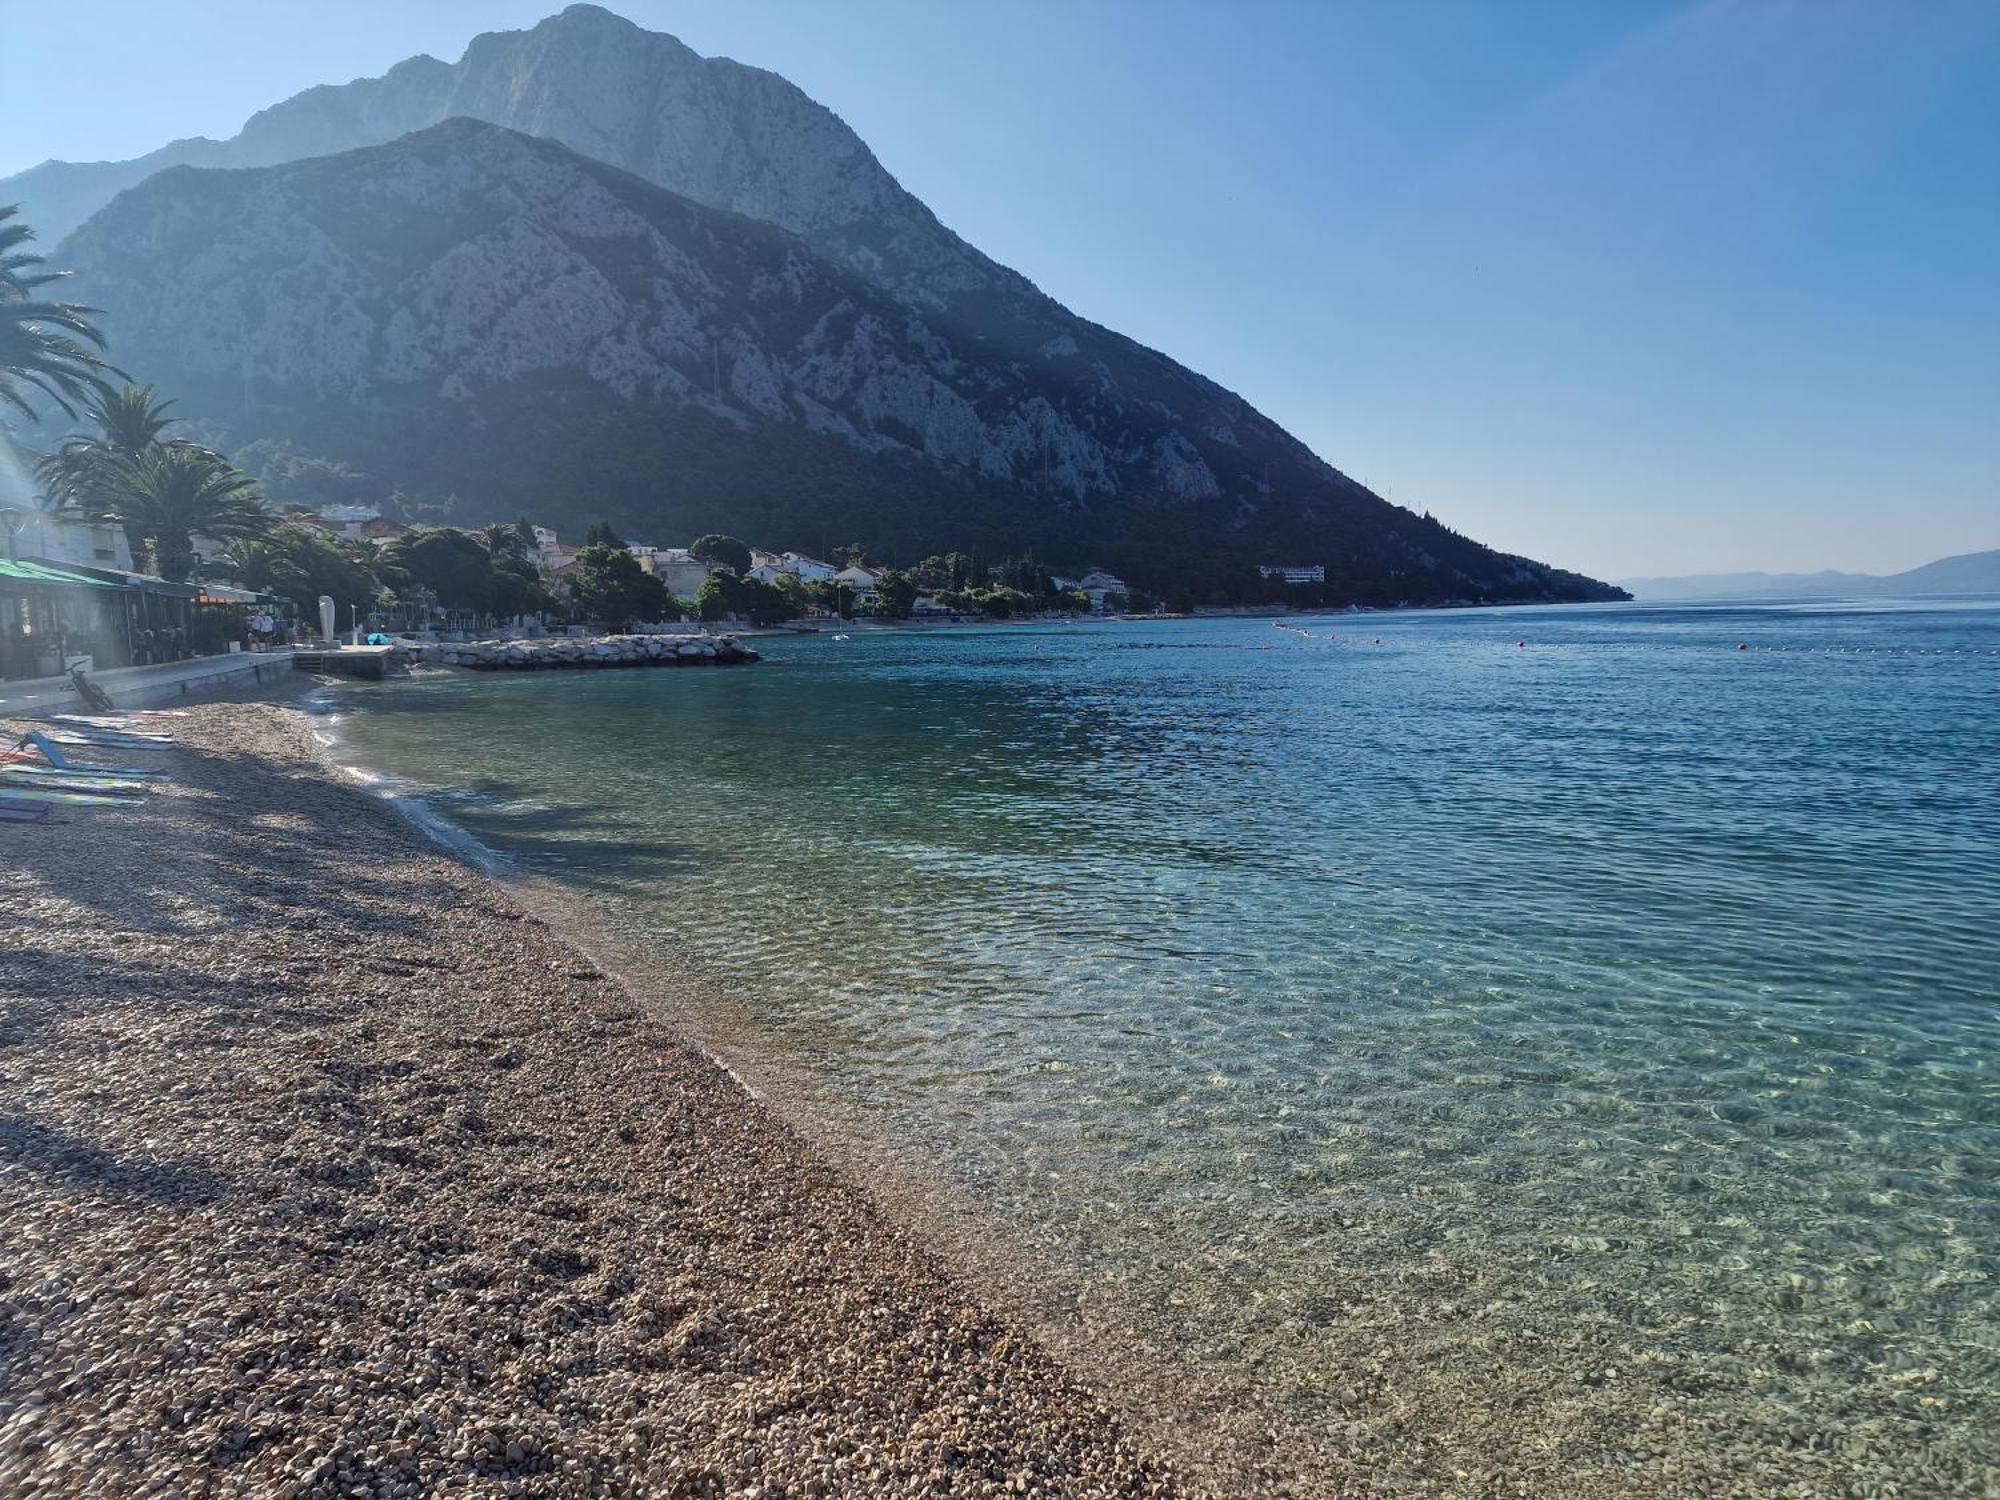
(576,653)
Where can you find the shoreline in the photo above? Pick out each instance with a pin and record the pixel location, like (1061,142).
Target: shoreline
(873,623)
(333,1168)
(1211,1429)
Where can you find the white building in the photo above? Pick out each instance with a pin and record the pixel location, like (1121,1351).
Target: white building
(1101,587)
(680,570)
(807,569)
(347,521)
(1293,573)
(769,567)
(61,539)
(861,583)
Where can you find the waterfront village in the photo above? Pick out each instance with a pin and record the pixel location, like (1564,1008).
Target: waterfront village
(130,548)
(77,590)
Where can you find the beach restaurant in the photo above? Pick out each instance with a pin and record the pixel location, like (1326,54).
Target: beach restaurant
(57,615)
(51,613)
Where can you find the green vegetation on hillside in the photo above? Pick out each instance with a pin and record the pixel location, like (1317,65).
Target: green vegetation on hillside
(609,585)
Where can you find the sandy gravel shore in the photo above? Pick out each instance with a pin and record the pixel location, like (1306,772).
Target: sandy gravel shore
(327,1170)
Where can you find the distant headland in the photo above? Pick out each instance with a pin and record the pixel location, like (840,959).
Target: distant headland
(1967,573)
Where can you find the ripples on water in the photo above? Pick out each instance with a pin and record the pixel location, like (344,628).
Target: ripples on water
(1529,1065)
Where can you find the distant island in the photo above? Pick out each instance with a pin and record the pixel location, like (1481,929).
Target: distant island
(1968,573)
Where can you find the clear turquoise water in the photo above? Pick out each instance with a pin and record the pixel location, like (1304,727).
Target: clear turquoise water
(1524,1066)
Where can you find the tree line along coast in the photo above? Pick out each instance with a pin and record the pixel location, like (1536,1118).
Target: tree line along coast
(123,497)
(124,488)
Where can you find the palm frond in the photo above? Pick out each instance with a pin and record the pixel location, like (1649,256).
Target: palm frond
(16,279)
(73,317)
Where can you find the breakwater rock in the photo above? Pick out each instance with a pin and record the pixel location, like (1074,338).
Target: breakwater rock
(572,653)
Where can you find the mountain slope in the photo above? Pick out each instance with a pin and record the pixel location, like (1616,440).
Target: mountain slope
(57,196)
(714,130)
(497,325)
(1967,573)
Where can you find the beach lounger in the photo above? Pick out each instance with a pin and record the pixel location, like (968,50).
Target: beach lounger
(139,723)
(55,746)
(41,768)
(43,746)
(110,786)
(47,749)
(38,744)
(31,795)
(135,713)
(106,741)
(73,724)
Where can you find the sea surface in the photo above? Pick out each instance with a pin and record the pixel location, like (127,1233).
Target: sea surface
(1530,1051)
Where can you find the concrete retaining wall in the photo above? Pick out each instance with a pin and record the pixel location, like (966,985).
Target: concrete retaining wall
(145,687)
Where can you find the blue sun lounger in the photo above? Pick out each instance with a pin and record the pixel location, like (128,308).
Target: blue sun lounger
(117,741)
(53,754)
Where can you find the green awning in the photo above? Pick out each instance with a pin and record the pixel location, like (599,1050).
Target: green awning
(119,578)
(36,572)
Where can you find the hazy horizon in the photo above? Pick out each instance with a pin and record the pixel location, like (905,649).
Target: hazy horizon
(1641,290)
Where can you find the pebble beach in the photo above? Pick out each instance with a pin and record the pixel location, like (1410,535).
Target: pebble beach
(326,1169)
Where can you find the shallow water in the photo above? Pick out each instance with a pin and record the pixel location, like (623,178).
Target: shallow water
(1545,1049)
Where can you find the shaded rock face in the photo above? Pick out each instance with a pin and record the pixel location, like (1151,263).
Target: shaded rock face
(784,344)
(724,134)
(503,327)
(466,262)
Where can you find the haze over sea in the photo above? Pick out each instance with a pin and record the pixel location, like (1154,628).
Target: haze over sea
(1526,1046)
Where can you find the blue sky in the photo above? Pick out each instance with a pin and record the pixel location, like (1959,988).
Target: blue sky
(1634,288)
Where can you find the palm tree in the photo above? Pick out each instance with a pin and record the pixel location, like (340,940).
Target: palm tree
(300,564)
(501,541)
(48,347)
(45,346)
(129,424)
(170,493)
(17,278)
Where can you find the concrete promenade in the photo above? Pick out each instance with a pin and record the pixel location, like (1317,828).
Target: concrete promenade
(144,687)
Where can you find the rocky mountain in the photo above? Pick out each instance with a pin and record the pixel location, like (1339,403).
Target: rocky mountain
(505,326)
(693,300)
(713,130)
(1967,573)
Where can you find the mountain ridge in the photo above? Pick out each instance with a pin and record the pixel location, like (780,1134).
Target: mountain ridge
(1012,399)
(1961,573)
(494,319)
(586,77)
